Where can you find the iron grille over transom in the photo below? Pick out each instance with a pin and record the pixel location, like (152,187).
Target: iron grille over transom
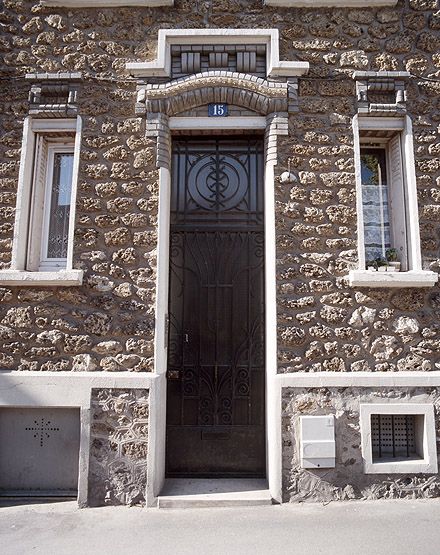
(393,435)
(215,184)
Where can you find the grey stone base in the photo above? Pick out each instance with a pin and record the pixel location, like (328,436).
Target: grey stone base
(347,480)
(119,446)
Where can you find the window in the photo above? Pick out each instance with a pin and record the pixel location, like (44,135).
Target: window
(383,202)
(398,438)
(49,229)
(43,232)
(388,225)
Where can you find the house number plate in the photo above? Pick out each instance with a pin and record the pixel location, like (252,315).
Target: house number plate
(217,110)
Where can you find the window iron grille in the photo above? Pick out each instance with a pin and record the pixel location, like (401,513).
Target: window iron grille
(393,436)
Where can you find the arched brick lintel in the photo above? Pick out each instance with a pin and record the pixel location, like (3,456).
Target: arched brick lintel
(247,91)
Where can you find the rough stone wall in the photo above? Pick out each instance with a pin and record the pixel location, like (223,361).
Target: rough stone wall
(325,325)
(347,480)
(118,447)
(107,324)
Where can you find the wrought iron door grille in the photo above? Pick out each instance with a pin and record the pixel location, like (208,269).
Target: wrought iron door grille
(393,436)
(214,184)
(215,388)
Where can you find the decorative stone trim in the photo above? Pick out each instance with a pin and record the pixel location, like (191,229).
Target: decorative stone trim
(190,62)
(189,92)
(158,126)
(54,94)
(292,93)
(167,38)
(218,59)
(246,62)
(386,84)
(277,124)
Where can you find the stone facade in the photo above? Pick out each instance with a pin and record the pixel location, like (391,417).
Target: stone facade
(118,447)
(347,480)
(107,324)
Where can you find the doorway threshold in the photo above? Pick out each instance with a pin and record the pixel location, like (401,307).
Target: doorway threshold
(181,493)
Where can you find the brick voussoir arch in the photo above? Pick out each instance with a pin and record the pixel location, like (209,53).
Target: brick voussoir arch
(186,93)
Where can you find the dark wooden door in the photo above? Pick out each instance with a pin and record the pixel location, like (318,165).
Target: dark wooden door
(216,378)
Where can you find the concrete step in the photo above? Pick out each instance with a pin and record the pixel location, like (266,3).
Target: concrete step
(182,493)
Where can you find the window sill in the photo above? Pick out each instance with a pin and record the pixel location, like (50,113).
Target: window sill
(106,3)
(413,278)
(58,278)
(400,467)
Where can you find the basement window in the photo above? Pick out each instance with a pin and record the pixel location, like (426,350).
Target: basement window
(398,438)
(393,436)
(43,231)
(388,224)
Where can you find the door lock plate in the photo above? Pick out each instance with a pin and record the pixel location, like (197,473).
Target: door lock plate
(173,374)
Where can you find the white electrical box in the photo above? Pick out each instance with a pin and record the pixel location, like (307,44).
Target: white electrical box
(317,448)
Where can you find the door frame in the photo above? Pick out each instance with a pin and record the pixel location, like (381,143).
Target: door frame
(268,125)
(254,430)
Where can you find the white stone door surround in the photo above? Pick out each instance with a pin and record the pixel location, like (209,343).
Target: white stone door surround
(270,102)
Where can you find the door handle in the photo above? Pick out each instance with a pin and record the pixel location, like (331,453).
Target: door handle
(186,338)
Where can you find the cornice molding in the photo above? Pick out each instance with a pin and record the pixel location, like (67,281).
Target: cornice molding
(161,66)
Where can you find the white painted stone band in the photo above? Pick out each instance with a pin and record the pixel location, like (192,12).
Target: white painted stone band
(329,3)
(359,379)
(106,3)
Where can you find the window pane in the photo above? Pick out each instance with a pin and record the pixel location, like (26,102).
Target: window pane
(375,201)
(60,205)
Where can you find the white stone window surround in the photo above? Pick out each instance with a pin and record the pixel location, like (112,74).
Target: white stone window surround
(19,274)
(161,67)
(425,436)
(415,276)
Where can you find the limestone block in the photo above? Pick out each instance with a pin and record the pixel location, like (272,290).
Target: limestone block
(385,348)
(333,314)
(406,325)
(98,323)
(362,316)
(77,343)
(107,348)
(118,236)
(18,317)
(83,363)
(414,362)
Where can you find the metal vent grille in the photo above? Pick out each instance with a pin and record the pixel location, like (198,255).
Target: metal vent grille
(393,435)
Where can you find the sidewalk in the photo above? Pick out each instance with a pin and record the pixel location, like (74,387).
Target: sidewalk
(348,528)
